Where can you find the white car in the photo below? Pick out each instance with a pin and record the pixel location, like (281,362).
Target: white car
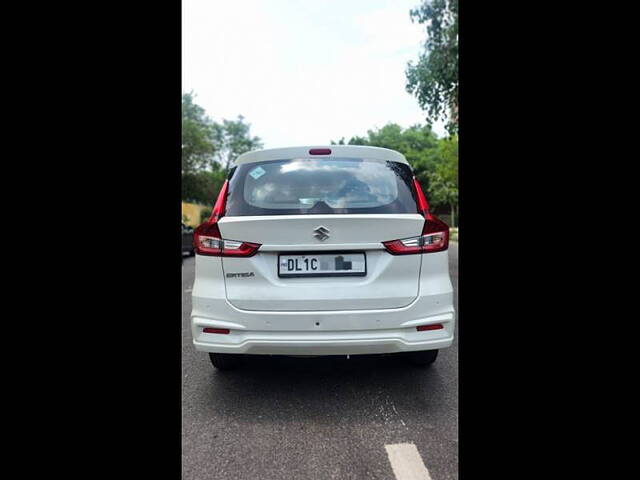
(321,251)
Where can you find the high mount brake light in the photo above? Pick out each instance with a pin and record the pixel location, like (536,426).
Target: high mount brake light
(435,233)
(207,239)
(320,151)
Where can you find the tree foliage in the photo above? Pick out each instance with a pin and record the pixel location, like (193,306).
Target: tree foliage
(198,137)
(202,187)
(205,213)
(443,185)
(434,78)
(234,139)
(208,149)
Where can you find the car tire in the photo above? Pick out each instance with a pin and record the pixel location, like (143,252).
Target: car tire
(422,358)
(192,253)
(225,361)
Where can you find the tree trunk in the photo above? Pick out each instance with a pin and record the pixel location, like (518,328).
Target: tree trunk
(453,218)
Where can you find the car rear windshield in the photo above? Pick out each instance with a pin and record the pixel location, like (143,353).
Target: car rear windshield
(320,186)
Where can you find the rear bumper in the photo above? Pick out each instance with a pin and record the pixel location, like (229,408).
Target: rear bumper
(324,332)
(397,340)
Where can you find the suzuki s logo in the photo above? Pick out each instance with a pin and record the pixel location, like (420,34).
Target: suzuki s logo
(321,233)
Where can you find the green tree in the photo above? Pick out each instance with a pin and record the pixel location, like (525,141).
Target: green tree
(234,139)
(443,185)
(202,187)
(208,148)
(434,79)
(416,143)
(205,213)
(198,136)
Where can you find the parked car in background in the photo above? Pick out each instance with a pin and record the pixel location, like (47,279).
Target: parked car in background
(322,251)
(187,240)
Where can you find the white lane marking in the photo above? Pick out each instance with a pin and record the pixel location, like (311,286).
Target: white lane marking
(406,462)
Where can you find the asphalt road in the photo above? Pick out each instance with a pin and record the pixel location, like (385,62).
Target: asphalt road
(322,418)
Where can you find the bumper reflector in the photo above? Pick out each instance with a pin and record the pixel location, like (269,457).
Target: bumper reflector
(435,326)
(215,330)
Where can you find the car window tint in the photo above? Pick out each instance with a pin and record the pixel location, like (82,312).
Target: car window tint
(321,185)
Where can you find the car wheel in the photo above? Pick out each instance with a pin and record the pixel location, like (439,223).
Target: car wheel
(192,253)
(423,358)
(225,361)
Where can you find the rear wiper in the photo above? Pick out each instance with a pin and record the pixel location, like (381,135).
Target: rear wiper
(320,207)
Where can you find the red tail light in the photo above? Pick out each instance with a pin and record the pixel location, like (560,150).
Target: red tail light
(320,151)
(221,202)
(435,233)
(421,200)
(207,239)
(434,238)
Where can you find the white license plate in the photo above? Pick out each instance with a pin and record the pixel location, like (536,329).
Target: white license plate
(322,265)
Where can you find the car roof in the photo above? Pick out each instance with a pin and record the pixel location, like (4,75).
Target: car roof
(337,151)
